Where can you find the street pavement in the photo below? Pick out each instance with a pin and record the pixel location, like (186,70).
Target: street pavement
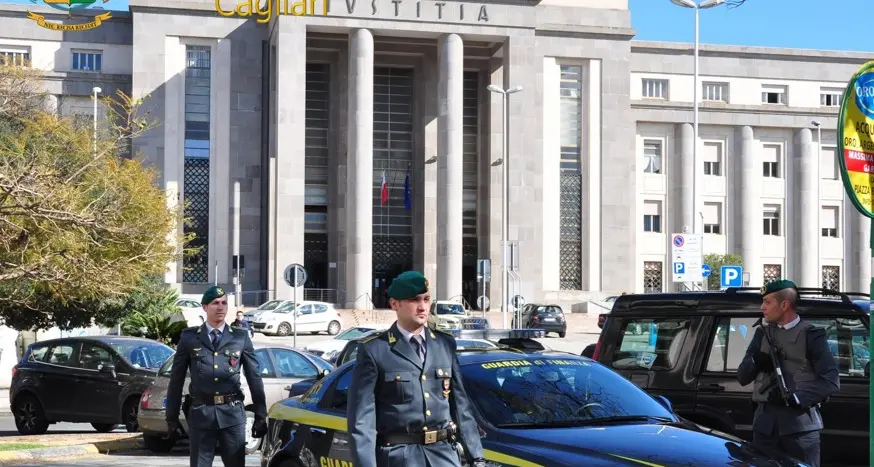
(176,458)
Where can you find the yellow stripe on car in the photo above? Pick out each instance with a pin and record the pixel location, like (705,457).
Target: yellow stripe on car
(504,459)
(638,461)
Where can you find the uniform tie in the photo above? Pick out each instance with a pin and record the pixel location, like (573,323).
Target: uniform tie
(216,337)
(419,346)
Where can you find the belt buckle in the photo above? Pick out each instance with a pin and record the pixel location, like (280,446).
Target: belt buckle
(218,399)
(431,437)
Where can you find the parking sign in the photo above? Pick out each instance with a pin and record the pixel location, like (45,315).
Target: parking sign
(731,276)
(686,257)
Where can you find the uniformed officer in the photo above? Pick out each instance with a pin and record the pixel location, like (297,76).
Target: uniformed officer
(216,353)
(406,391)
(790,424)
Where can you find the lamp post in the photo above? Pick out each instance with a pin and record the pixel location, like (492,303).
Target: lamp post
(505,195)
(818,125)
(96,90)
(695,195)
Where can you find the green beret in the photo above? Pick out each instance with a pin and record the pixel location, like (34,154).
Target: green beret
(777,285)
(407,285)
(211,294)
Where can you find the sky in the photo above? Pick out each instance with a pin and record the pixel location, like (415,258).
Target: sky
(800,24)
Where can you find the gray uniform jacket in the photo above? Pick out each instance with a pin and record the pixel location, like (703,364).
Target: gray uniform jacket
(215,371)
(393,392)
(822,383)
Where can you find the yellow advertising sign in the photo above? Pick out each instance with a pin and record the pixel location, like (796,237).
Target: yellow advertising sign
(856,139)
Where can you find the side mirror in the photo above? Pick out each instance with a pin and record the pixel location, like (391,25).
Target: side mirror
(665,403)
(323,373)
(107,368)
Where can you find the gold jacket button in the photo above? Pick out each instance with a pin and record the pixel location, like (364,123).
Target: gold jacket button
(216,379)
(216,354)
(428,413)
(215,366)
(439,372)
(424,377)
(397,377)
(427,395)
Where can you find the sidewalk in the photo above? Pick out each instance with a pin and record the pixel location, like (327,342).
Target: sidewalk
(65,446)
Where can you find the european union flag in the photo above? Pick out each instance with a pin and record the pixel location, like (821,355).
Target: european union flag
(408,193)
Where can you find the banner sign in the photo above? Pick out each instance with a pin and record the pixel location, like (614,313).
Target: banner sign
(856,139)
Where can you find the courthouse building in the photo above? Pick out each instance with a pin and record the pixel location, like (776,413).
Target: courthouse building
(363,141)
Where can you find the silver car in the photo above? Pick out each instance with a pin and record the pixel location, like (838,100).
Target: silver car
(281,366)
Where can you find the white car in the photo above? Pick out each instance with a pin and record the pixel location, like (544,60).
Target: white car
(329,349)
(190,311)
(307,316)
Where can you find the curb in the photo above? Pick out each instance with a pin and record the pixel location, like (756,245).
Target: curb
(66,452)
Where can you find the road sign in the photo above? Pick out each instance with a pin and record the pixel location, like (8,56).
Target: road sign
(518,301)
(484,269)
(705,271)
(731,276)
(482,302)
(295,275)
(687,257)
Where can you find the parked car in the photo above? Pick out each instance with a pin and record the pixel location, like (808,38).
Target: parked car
(281,366)
(328,349)
(583,415)
(447,315)
(307,316)
(190,311)
(550,318)
(687,346)
(93,379)
(270,305)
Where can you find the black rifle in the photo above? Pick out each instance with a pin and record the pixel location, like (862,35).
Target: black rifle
(778,368)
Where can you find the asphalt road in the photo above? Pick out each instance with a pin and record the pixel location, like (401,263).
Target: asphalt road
(177,458)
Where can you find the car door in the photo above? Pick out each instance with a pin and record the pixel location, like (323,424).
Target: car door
(291,367)
(333,444)
(653,353)
(100,391)
(60,383)
(304,319)
(722,403)
(272,390)
(321,318)
(845,435)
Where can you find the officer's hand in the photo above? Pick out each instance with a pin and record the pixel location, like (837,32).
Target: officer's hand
(259,428)
(763,362)
(172,428)
(479,462)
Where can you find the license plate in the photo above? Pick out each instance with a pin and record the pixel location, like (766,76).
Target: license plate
(164,402)
(549,320)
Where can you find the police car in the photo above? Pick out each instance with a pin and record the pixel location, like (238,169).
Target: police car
(583,414)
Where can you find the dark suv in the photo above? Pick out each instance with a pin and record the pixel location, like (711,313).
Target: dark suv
(550,318)
(96,380)
(687,347)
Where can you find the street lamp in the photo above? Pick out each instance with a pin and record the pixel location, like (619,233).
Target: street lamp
(505,195)
(697,7)
(96,90)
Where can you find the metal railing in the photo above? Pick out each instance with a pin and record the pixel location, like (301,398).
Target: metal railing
(323,295)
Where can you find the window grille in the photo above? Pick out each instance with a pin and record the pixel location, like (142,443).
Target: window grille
(652,277)
(196,161)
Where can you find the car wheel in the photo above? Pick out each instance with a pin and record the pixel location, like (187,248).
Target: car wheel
(129,415)
(252,444)
(158,443)
(284,329)
(104,427)
(562,334)
(29,416)
(334,328)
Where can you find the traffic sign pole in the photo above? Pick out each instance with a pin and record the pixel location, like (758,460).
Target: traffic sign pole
(295,276)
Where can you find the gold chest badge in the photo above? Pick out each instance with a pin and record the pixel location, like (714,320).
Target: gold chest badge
(446,389)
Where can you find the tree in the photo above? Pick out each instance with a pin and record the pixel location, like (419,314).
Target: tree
(716,262)
(79,227)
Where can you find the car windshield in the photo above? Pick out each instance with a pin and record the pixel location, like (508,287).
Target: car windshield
(286,308)
(570,391)
(271,305)
(142,354)
(352,333)
(166,367)
(448,309)
(322,363)
(547,310)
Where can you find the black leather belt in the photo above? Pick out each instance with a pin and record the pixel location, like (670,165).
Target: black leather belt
(218,399)
(428,437)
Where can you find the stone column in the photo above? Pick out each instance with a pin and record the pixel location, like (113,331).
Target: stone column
(750,212)
(858,263)
(807,226)
(450,146)
(686,147)
(359,195)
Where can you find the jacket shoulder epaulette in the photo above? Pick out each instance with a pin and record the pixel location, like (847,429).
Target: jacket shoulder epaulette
(372,337)
(445,333)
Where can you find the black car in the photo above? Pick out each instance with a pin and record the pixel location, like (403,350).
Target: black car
(550,318)
(96,380)
(583,415)
(687,346)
